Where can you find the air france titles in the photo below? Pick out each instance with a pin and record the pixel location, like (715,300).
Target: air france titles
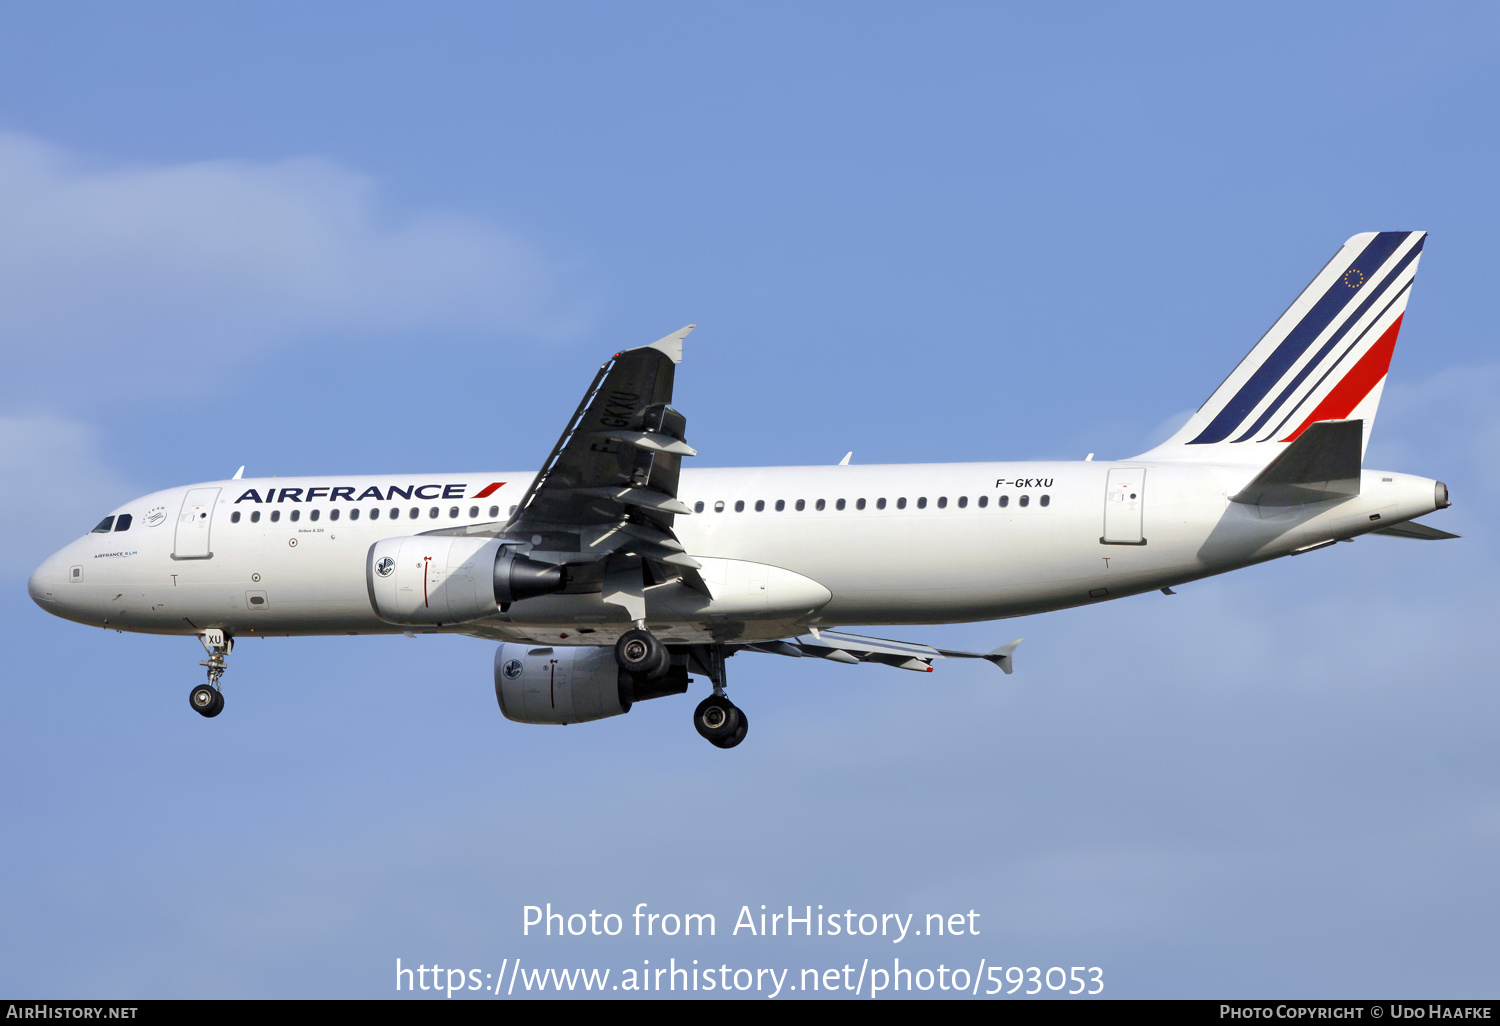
(330,493)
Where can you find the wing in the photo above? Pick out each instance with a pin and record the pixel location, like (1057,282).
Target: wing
(620,456)
(606,497)
(851,648)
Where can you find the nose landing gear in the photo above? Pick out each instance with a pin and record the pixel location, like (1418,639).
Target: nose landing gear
(206,699)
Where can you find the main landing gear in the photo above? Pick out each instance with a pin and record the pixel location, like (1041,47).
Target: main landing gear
(206,699)
(718,720)
(722,723)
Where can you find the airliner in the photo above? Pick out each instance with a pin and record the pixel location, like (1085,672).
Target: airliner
(613,575)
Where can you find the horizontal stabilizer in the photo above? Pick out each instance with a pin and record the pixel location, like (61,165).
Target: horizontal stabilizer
(1412,529)
(1323,463)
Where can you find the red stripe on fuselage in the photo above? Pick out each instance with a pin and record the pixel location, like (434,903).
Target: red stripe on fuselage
(1358,383)
(488,490)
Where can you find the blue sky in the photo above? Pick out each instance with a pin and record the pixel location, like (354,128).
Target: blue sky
(371,238)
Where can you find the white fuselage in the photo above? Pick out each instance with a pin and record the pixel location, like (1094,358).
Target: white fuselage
(922,549)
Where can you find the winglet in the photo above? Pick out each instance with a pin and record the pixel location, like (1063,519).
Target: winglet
(672,344)
(1001,656)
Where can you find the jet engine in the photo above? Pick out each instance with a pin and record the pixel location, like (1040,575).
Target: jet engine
(572,684)
(438,579)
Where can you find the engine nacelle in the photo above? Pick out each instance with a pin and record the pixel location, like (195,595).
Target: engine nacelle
(438,579)
(571,684)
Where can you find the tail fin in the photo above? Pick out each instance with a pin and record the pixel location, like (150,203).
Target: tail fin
(1324,359)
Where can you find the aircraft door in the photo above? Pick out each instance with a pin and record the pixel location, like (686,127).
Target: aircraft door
(1124,499)
(193,524)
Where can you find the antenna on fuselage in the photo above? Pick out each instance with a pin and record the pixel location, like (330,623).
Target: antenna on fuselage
(845,461)
(238,474)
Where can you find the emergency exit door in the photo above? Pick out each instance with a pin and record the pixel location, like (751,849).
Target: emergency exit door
(1124,499)
(194,523)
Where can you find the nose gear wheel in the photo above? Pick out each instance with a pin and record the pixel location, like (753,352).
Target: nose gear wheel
(207,701)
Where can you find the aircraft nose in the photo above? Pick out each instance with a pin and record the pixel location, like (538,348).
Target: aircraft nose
(44,583)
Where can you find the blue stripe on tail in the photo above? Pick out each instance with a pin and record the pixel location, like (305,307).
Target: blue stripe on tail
(1338,296)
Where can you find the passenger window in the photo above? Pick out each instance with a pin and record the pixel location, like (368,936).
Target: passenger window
(984,500)
(296,515)
(901,502)
(801,505)
(1004,501)
(473,512)
(513,511)
(275,515)
(819,505)
(922,502)
(494,511)
(1025,500)
(780,505)
(453,513)
(413,513)
(375,513)
(719,506)
(859,503)
(234,517)
(739,505)
(839,504)
(333,514)
(760,505)
(880,504)
(354,514)
(1046,500)
(122,522)
(255,516)
(104,526)
(698,506)
(432,513)
(963,502)
(315,514)
(942,502)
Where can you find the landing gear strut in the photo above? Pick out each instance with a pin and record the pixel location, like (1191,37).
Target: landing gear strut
(718,720)
(206,699)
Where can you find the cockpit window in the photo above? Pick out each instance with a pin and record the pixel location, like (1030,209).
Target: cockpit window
(122,523)
(104,526)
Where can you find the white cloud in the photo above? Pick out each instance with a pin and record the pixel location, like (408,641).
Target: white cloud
(56,487)
(165,273)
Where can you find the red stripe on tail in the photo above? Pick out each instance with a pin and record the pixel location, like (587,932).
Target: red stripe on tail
(1358,383)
